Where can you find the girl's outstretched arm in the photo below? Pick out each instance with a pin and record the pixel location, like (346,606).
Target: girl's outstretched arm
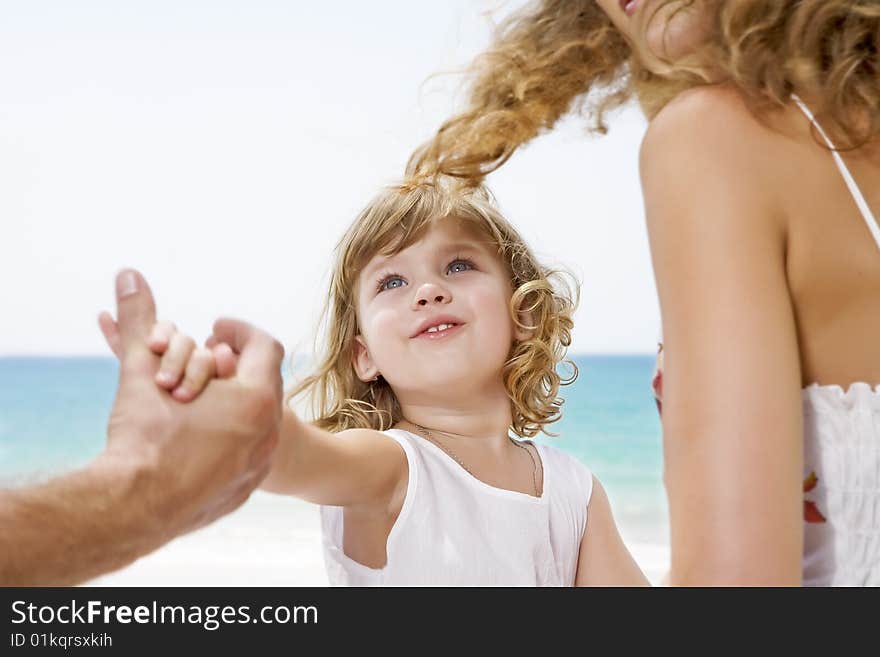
(604,559)
(356,467)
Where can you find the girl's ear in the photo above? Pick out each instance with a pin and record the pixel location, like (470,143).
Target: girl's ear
(363,364)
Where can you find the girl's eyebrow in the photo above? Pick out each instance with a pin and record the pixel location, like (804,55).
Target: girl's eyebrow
(461,246)
(377,263)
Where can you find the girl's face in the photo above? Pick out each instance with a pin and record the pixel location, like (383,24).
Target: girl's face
(434,318)
(656,29)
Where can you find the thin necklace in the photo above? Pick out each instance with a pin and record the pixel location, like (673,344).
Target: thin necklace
(427,435)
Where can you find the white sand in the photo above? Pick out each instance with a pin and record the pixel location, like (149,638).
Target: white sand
(270,541)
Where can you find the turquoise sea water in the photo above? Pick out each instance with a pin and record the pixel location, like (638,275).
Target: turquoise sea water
(53,414)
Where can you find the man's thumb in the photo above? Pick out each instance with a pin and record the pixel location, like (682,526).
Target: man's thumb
(135,309)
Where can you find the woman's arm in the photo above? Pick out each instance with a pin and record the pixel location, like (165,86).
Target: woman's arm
(732,421)
(357,467)
(603,559)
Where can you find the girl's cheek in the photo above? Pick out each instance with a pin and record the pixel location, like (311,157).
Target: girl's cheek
(492,304)
(385,323)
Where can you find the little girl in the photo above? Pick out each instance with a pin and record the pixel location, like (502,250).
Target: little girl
(443,338)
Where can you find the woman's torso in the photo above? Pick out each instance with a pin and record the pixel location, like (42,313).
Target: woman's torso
(834,276)
(832,259)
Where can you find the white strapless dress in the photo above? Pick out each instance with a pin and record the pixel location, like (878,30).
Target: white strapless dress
(842,485)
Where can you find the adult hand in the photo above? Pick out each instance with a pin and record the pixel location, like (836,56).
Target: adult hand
(189,463)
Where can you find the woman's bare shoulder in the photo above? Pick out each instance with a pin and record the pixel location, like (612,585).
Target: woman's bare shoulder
(707,149)
(705,122)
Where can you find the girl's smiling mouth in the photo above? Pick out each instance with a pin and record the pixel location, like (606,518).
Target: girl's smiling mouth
(439,332)
(437,326)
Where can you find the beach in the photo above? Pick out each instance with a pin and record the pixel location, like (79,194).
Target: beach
(609,423)
(271,541)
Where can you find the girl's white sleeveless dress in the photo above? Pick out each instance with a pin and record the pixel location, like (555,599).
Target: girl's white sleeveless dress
(841,458)
(455,530)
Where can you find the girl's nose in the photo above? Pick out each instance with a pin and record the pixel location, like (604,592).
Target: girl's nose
(431,293)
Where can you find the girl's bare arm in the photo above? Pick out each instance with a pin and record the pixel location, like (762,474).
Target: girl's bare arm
(351,468)
(604,559)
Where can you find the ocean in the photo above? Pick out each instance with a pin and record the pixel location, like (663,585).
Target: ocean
(53,415)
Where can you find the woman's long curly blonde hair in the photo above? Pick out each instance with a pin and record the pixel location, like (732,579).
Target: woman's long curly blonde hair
(398,217)
(555,56)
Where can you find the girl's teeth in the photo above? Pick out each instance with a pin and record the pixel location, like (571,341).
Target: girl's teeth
(439,327)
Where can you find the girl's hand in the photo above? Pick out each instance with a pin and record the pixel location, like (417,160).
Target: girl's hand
(185,369)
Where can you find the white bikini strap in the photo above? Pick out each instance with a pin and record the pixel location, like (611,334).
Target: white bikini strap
(844,171)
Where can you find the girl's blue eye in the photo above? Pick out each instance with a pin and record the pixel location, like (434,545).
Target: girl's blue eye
(390,283)
(395,281)
(460,265)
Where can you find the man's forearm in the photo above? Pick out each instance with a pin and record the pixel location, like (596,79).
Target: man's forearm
(74,528)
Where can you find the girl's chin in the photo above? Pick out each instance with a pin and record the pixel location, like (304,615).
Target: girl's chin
(452,375)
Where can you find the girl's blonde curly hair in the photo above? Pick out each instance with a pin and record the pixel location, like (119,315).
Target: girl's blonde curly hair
(555,56)
(398,217)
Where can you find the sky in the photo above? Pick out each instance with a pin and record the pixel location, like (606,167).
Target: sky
(223,147)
